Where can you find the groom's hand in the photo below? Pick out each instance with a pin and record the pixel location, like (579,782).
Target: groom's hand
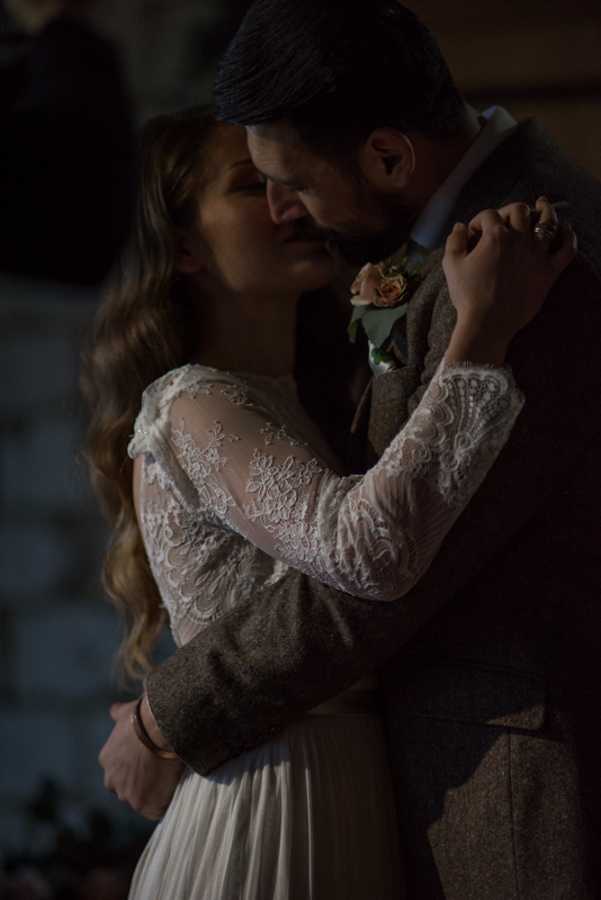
(138,777)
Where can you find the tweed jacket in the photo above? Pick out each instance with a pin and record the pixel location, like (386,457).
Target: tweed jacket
(489,667)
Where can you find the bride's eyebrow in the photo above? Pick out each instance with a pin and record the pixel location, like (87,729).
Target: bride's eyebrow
(248,162)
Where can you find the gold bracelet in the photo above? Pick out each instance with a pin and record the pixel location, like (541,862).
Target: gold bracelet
(144,737)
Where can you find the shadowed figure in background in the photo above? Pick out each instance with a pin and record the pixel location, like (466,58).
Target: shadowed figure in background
(490,684)
(66,155)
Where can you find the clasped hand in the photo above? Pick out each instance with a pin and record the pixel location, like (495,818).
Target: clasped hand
(134,774)
(499,271)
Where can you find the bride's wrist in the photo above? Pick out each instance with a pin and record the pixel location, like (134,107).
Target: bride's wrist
(151,726)
(469,343)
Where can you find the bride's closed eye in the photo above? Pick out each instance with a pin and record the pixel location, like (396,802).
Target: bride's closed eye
(255,187)
(251,183)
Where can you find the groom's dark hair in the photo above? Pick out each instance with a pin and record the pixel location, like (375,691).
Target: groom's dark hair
(337,69)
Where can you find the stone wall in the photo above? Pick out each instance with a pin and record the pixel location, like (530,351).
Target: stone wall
(58,634)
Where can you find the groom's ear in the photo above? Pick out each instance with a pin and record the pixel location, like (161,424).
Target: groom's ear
(387,159)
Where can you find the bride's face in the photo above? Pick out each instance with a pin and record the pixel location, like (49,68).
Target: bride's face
(234,238)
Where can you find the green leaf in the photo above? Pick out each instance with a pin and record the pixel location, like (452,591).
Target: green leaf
(353,326)
(378,323)
(380,355)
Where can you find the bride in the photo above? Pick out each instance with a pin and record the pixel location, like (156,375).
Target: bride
(229,486)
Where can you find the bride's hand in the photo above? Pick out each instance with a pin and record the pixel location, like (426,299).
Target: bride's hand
(133,773)
(499,272)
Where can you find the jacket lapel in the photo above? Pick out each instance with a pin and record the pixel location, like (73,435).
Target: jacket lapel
(391,392)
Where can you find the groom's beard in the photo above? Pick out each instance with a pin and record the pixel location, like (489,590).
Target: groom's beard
(359,249)
(359,245)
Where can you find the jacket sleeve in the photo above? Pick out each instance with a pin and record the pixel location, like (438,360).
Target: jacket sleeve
(268,661)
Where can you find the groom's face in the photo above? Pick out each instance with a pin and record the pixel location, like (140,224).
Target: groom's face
(301,184)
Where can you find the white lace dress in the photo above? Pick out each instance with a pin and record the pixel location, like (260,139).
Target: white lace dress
(237,490)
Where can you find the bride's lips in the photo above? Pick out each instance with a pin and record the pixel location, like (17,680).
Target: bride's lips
(313,242)
(304,239)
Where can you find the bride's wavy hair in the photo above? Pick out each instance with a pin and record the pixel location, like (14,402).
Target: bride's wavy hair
(145,326)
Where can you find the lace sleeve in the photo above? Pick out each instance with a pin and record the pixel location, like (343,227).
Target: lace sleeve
(371,536)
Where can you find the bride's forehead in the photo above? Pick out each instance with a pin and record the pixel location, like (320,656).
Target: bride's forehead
(228,148)
(230,141)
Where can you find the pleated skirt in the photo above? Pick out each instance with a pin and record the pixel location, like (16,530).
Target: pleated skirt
(308,816)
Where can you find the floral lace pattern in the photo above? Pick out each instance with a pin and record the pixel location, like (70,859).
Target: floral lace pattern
(273,435)
(181,550)
(455,431)
(207,463)
(236,494)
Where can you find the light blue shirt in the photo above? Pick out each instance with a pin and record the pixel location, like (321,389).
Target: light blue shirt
(429,229)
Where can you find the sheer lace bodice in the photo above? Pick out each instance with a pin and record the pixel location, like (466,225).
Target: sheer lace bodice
(238,489)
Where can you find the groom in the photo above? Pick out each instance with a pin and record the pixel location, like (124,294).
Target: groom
(489,668)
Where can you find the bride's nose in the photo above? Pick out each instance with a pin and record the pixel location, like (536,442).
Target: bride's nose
(284,204)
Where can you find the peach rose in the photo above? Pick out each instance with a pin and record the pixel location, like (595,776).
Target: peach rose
(364,289)
(373,287)
(391,291)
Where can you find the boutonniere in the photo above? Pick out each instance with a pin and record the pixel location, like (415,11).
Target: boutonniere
(380,296)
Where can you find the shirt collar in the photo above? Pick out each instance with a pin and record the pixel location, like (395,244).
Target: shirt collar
(429,229)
